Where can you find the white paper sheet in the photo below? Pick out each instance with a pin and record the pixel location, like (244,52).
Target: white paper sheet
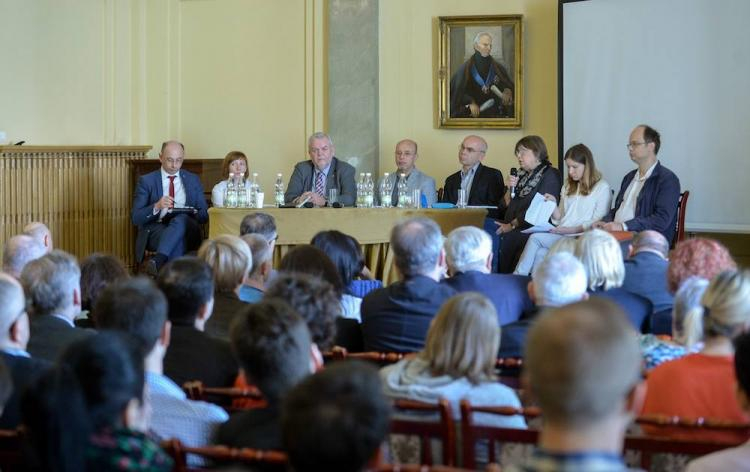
(540,211)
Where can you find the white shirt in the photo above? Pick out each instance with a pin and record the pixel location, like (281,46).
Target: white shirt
(584,210)
(626,212)
(179,191)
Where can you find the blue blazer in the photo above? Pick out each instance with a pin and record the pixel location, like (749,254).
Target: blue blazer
(646,275)
(507,292)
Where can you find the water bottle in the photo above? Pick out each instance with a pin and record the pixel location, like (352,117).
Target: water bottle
(230,195)
(385,194)
(404,200)
(279,190)
(369,190)
(242,201)
(361,190)
(253,200)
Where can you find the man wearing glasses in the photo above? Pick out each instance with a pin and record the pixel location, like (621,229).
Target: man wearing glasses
(649,194)
(160,228)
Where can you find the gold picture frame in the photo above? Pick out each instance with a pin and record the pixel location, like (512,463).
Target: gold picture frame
(480,86)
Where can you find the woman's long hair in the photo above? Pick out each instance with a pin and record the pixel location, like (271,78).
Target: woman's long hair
(581,154)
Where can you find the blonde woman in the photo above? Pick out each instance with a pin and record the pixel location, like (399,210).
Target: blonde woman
(703,384)
(230,260)
(235,163)
(585,198)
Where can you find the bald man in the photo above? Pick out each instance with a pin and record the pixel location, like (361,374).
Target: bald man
(19,250)
(40,232)
(406,157)
(646,270)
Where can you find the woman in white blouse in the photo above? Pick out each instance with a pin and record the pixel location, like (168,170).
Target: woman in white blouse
(235,163)
(585,198)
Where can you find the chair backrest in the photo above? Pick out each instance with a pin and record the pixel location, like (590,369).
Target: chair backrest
(679,233)
(442,429)
(383,358)
(440,192)
(255,457)
(223,396)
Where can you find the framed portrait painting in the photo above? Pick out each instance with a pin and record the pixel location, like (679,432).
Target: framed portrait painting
(480,72)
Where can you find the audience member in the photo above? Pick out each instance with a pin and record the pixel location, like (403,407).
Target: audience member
(703,384)
(601,256)
(230,260)
(585,198)
(251,290)
(312,180)
(396,318)
(537,175)
(648,195)
(18,251)
(736,459)
(136,307)
(97,271)
(262,224)
(272,344)
(7,386)
(40,232)
(406,158)
(14,336)
(90,412)
(698,257)
(560,279)
(235,163)
(52,285)
(468,253)
(646,269)
(169,235)
(188,285)
(583,368)
(336,419)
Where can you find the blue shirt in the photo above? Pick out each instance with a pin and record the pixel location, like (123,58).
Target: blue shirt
(585,461)
(250,294)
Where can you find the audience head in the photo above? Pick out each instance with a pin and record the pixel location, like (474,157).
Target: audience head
(97,271)
(14,322)
(563,245)
(601,256)
(321,150)
(306,259)
(230,260)
(468,248)
(687,299)
(235,162)
(344,252)
(172,156)
(336,419)
(406,155)
(314,299)
(40,232)
(724,310)
(650,241)
(272,343)
(472,150)
(536,145)
(52,284)
(188,285)
(558,280)
(262,256)
(581,170)
(700,257)
(571,355)
(136,307)
(417,246)
(645,139)
(19,250)
(259,223)
(463,339)
(742,368)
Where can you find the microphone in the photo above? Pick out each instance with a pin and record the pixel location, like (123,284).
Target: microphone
(337,205)
(514,173)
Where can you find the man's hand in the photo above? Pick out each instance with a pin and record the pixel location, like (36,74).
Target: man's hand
(164,202)
(473,109)
(317,200)
(613,226)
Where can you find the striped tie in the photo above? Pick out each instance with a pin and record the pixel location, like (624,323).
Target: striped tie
(320,186)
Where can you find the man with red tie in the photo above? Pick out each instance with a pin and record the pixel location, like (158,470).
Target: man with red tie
(161,229)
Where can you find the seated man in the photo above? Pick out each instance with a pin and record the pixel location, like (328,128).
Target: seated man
(19,250)
(396,318)
(311,180)
(468,252)
(272,343)
(646,270)
(156,193)
(406,157)
(40,232)
(136,307)
(52,285)
(649,194)
(188,284)
(251,290)
(336,419)
(560,279)
(584,370)
(264,225)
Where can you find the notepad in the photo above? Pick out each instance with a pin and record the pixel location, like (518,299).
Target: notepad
(539,213)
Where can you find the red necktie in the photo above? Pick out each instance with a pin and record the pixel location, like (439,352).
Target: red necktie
(171,185)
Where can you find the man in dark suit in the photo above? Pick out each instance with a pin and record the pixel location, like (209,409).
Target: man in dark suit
(156,194)
(188,284)
(14,336)
(559,280)
(397,317)
(272,343)
(311,180)
(52,285)
(468,252)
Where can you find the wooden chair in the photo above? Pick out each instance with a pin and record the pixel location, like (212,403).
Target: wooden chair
(339,353)
(223,396)
(256,457)
(442,429)
(440,193)
(679,233)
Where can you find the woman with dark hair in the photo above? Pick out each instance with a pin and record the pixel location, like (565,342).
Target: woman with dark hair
(234,163)
(584,199)
(537,175)
(88,413)
(97,272)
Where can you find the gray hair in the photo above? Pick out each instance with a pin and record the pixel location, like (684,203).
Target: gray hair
(13,303)
(319,135)
(467,248)
(687,298)
(651,240)
(260,249)
(479,35)
(37,230)
(558,280)
(19,251)
(259,223)
(49,282)
(416,244)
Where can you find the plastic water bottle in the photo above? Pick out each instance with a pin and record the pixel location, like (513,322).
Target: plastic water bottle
(385,194)
(369,190)
(230,194)
(361,190)
(242,201)
(279,190)
(254,189)
(404,199)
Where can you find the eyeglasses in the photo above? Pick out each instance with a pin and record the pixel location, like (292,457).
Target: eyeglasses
(635,144)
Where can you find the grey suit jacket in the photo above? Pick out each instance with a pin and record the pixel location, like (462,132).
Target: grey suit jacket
(416,180)
(340,177)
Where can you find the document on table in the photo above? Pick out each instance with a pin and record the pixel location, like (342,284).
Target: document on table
(538,214)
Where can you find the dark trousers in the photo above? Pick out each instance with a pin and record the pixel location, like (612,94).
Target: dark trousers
(174,237)
(511,247)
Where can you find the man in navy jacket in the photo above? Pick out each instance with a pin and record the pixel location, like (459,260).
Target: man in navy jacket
(648,195)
